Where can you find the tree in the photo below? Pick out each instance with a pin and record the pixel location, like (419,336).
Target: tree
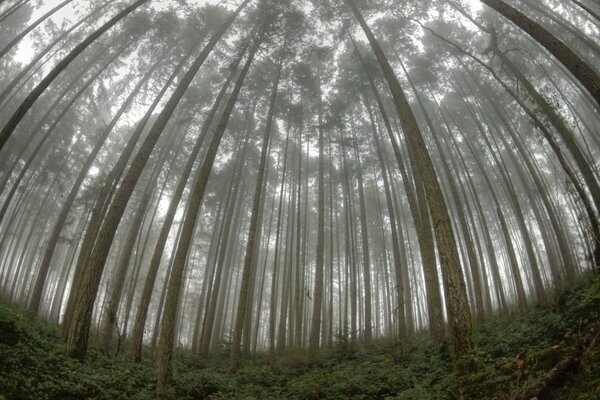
(578,67)
(458,307)
(22,110)
(167,326)
(80,324)
(254,228)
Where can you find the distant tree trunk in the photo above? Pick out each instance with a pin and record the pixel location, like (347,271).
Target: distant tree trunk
(351,278)
(458,306)
(137,334)
(332,223)
(167,327)
(514,266)
(18,115)
(368,333)
(276,257)
(54,236)
(286,290)
(297,282)
(267,238)
(315,326)
(397,256)
(578,67)
(80,324)
(241,329)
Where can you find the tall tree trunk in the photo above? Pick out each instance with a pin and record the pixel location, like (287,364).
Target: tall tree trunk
(578,67)
(512,262)
(425,237)
(368,332)
(316,319)
(276,257)
(459,314)
(18,115)
(137,334)
(589,10)
(58,225)
(167,327)
(80,324)
(254,232)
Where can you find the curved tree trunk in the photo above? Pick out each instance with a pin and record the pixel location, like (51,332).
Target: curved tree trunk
(254,232)
(54,236)
(137,335)
(34,62)
(579,68)
(18,115)
(458,306)
(167,326)
(82,314)
(107,191)
(589,10)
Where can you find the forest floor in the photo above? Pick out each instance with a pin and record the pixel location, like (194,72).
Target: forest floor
(553,352)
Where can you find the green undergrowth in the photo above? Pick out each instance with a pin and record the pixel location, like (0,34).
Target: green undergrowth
(513,357)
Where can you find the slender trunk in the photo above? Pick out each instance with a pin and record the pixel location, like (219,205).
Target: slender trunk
(54,236)
(167,329)
(137,335)
(276,258)
(578,67)
(458,306)
(514,266)
(368,333)
(80,324)
(18,115)
(588,10)
(318,288)
(12,9)
(241,329)
(31,27)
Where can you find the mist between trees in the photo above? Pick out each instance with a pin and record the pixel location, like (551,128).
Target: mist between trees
(273,175)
